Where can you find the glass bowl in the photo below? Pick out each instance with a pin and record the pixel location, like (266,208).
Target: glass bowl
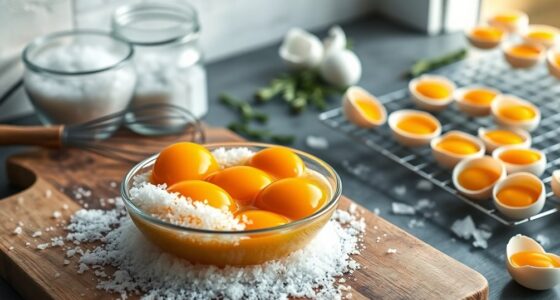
(238,248)
(76,76)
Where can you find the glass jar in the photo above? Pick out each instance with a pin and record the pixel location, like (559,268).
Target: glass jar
(168,61)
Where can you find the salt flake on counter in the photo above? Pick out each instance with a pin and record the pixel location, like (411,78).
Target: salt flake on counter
(56,214)
(466,229)
(17,230)
(424,203)
(43,246)
(391,251)
(543,240)
(400,190)
(424,185)
(400,208)
(317,142)
(37,233)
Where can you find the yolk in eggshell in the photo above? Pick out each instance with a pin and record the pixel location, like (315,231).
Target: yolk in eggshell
(504,137)
(477,178)
(518,196)
(457,145)
(487,33)
(243,183)
(480,97)
(520,156)
(557,60)
(506,18)
(257,219)
(280,162)
(542,35)
(417,124)
(368,109)
(534,259)
(433,89)
(183,161)
(518,112)
(294,198)
(198,190)
(525,51)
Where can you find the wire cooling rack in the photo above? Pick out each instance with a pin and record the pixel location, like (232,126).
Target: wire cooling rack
(534,85)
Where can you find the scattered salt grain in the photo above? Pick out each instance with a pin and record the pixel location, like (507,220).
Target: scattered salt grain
(232,157)
(56,214)
(48,193)
(415,223)
(377,211)
(18,230)
(57,241)
(543,240)
(317,142)
(400,190)
(11,248)
(56,275)
(113,184)
(391,251)
(424,185)
(27,244)
(65,206)
(37,233)
(82,268)
(20,200)
(358,169)
(66,262)
(424,204)
(400,208)
(43,246)
(466,229)
(20,223)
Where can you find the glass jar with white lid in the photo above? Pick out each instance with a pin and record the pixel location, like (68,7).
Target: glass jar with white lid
(168,60)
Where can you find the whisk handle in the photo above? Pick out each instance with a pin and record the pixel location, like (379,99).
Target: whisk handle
(31,135)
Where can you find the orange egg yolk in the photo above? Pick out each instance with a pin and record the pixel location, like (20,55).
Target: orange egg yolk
(198,190)
(417,125)
(542,35)
(525,51)
(458,145)
(183,161)
(433,89)
(520,156)
(369,109)
(557,60)
(487,33)
(257,219)
(506,18)
(518,112)
(477,178)
(534,259)
(243,183)
(295,198)
(279,162)
(480,97)
(504,137)
(518,196)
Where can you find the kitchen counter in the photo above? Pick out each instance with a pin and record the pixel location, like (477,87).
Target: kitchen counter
(386,51)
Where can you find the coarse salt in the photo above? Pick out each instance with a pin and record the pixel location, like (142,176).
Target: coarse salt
(43,246)
(18,230)
(391,251)
(56,214)
(232,157)
(424,185)
(37,233)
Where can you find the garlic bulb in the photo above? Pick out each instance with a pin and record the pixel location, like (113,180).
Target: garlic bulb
(301,49)
(335,41)
(341,68)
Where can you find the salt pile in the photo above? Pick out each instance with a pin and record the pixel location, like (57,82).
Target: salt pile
(466,229)
(141,268)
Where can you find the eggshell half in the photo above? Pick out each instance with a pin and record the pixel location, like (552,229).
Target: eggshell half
(504,100)
(519,212)
(521,62)
(530,277)
(427,103)
(353,112)
(409,139)
(544,42)
(483,43)
(485,161)
(555,183)
(519,25)
(537,168)
(551,62)
(301,49)
(448,159)
(473,109)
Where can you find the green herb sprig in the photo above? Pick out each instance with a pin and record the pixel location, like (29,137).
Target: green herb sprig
(425,65)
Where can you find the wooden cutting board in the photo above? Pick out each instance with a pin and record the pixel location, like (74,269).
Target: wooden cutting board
(52,179)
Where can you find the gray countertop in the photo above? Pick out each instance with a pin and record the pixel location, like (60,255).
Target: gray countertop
(386,50)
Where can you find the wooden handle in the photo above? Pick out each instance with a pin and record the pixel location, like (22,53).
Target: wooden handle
(31,135)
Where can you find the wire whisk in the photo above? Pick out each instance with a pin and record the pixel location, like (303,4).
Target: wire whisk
(165,123)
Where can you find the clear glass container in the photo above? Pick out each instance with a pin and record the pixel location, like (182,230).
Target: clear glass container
(77,76)
(167,58)
(239,248)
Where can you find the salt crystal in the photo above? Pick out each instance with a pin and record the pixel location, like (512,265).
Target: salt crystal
(37,233)
(377,211)
(82,268)
(18,230)
(542,239)
(56,214)
(66,262)
(27,244)
(359,169)
(415,223)
(424,185)
(391,251)
(232,157)
(113,184)
(43,246)
(20,200)
(20,223)
(402,209)
(466,229)
(56,275)
(400,190)
(317,142)
(65,206)
(424,203)
(48,193)
(352,208)
(11,248)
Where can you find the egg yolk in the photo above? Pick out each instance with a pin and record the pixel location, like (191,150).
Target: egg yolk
(457,145)
(477,178)
(183,161)
(504,137)
(368,109)
(257,219)
(518,112)
(506,18)
(520,156)
(534,259)
(480,97)
(198,190)
(243,183)
(487,33)
(279,162)
(525,51)
(417,125)
(433,89)
(542,35)
(557,60)
(518,196)
(294,198)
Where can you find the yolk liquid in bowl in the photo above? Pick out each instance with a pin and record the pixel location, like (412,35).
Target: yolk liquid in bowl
(518,196)
(520,156)
(518,112)
(504,137)
(480,97)
(279,162)
(417,124)
(477,178)
(525,51)
(487,33)
(534,259)
(369,109)
(458,145)
(433,89)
